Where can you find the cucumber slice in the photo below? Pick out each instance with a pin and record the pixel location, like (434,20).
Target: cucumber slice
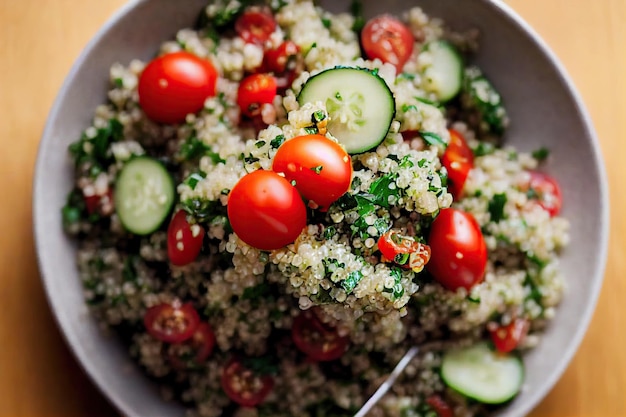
(144,194)
(360,105)
(482,374)
(444,75)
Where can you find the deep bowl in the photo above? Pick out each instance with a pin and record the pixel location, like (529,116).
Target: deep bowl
(545,110)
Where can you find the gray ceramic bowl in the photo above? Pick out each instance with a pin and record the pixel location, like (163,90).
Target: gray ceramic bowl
(545,110)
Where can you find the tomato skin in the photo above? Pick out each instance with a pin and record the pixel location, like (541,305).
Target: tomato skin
(276,60)
(266,211)
(459,253)
(548,192)
(439,406)
(171,323)
(321,168)
(201,342)
(183,245)
(393,245)
(255,25)
(315,339)
(507,338)
(243,386)
(97,203)
(175,85)
(386,30)
(254,91)
(458,160)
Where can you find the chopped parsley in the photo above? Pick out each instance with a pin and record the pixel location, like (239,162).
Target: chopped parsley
(353,279)
(260,144)
(277,141)
(496,207)
(541,154)
(194,179)
(356,10)
(326,22)
(317,169)
(433,139)
(193,148)
(484,148)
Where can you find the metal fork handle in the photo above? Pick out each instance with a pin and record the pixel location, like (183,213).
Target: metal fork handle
(384,387)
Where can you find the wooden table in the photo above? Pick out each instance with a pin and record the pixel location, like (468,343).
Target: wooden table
(40,39)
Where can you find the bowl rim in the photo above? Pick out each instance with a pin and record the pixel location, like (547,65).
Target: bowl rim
(71,337)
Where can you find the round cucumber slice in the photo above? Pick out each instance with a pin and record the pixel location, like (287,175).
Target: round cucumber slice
(144,195)
(482,374)
(360,105)
(444,75)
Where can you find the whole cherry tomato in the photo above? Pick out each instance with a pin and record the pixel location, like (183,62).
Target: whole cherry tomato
(175,85)
(266,211)
(459,253)
(255,25)
(320,167)
(388,39)
(254,91)
(184,241)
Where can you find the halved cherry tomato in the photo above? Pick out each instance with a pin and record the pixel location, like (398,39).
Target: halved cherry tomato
(254,91)
(321,168)
(266,211)
(276,60)
(175,85)
(439,406)
(193,351)
(184,241)
(171,323)
(546,191)
(255,25)
(98,203)
(243,385)
(404,250)
(458,160)
(507,338)
(317,340)
(459,253)
(388,39)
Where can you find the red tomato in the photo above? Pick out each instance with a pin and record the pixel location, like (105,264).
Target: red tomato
(439,406)
(276,60)
(97,203)
(255,90)
(184,241)
(321,168)
(506,338)
(388,39)
(458,160)
(175,85)
(255,25)
(266,211)
(459,253)
(404,250)
(171,323)
(243,385)
(546,191)
(195,350)
(317,340)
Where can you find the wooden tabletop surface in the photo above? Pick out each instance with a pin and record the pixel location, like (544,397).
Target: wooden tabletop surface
(40,39)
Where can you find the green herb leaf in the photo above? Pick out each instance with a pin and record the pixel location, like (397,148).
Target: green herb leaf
(433,139)
(194,179)
(483,148)
(353,279)
(317,169)
(541,154)
(277,141)
(326,22)
(496,207)
(356,9)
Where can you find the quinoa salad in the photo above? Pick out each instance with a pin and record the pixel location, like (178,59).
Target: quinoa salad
(283,201)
